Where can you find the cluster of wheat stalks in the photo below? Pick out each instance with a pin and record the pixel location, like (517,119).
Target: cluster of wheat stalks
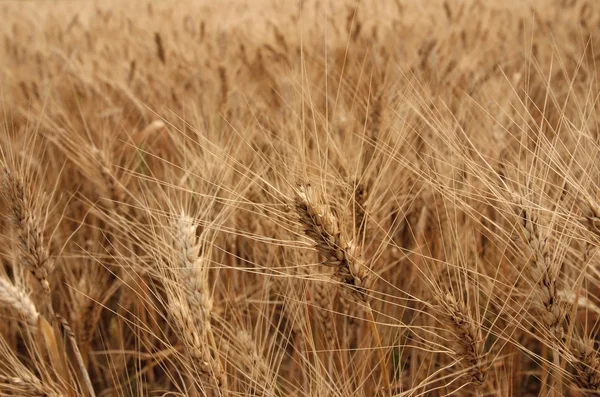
(299,198)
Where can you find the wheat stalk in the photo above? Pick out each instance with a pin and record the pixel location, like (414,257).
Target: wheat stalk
(78,357)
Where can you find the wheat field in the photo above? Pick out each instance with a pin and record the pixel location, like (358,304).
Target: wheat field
(299,198)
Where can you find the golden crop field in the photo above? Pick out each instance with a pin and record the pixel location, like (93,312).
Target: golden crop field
(291,198)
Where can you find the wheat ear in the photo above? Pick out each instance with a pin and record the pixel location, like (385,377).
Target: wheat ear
(191,307)
(323,229)
(587,366)
(260,371)
(78,357)
(27,385)
(350,269)
(17,301)
(585,359)
(548,305)
(467,339)
(592,215)
(29,224)
(542,273)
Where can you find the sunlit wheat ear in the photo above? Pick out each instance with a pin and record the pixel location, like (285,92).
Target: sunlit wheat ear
(19,303)
(190,302)
(467,338)
(27,219)
(338,252)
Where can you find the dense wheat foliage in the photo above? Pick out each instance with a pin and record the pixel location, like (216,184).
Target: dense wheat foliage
(300,198)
